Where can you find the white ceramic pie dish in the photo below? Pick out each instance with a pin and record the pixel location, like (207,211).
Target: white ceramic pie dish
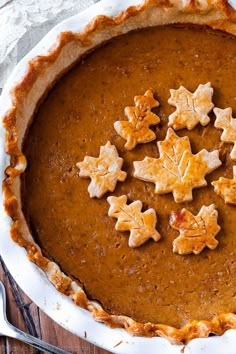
(35,283)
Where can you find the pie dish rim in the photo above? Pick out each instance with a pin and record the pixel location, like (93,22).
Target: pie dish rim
(218,14)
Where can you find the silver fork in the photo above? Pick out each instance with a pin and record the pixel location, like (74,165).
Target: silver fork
(7,329)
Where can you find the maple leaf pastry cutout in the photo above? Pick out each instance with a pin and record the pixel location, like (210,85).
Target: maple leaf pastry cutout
(196,232)
(177,170)
(191,108)
(142,225)
(136,130)
(104,171)
(226,188)
(224,120)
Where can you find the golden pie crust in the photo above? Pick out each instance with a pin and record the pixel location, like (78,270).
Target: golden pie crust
(42,72)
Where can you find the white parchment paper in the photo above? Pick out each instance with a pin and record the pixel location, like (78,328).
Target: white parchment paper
(24,22)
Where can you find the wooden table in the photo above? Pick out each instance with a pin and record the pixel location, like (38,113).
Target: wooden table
(24,314)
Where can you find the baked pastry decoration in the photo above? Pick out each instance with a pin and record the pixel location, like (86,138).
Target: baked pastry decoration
(226,188)
(177,170)
(104,171)
(196,232)
(225,121)
(191,108)
(142,225)
(136,130)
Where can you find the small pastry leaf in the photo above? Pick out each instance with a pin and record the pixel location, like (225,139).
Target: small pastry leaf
(226,188)
(196,232)
(191,108)
(142,225)
(225,121)
(104,171)
(136,130)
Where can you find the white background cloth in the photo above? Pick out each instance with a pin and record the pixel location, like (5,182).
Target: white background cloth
(24,22)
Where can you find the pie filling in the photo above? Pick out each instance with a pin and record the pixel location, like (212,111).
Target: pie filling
(149,283)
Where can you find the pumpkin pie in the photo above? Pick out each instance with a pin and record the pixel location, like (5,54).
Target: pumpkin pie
(110,182)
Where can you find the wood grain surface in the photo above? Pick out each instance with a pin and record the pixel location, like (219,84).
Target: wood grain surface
(24,314)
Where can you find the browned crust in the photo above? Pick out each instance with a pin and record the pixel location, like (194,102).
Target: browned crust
(220,15)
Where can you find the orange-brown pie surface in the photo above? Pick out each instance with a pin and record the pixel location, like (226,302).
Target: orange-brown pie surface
(149,283)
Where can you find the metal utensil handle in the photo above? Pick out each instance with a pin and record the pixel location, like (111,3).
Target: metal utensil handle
(35,342)
(9,330)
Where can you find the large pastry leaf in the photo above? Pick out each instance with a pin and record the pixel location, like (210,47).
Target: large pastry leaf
(177,170)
